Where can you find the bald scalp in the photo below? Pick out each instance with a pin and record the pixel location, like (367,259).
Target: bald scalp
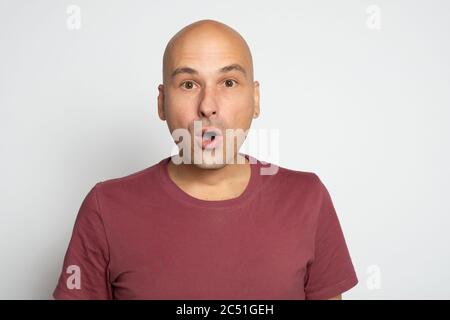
(205,30)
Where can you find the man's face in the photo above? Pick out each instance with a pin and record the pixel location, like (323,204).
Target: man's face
(209,78)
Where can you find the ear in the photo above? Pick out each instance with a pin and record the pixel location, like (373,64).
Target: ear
(161,113)
(256,99)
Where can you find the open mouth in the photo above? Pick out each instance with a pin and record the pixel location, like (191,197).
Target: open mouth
(211,137)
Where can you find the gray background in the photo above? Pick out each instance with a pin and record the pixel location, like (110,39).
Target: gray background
(367,110)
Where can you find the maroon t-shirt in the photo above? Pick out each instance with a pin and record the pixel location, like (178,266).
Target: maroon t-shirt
(143,237)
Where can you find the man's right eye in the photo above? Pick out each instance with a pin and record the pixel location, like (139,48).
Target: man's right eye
(188,85)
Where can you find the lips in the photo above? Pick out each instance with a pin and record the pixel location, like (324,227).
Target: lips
(211,137)
(211,130)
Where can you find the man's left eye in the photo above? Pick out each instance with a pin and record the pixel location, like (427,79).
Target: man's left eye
(230,83)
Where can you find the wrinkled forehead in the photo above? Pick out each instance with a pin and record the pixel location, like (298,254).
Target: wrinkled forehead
(206,53)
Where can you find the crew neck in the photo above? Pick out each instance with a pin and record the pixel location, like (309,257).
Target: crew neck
(179,194)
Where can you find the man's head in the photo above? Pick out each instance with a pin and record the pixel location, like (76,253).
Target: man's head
(208,77)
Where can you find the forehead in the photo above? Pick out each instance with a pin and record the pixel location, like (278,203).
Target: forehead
(207,54)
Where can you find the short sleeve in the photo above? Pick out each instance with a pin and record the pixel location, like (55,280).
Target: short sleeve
(331,271)
(85,271)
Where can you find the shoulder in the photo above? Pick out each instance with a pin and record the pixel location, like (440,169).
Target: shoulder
(293,185)
(131,185)
(301,180)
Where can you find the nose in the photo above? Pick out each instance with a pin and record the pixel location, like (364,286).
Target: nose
(207,106)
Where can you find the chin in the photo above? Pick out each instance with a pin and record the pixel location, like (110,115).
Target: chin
(210,161)
(210,166)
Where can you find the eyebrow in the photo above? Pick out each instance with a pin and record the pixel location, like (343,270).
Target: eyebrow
(225,69)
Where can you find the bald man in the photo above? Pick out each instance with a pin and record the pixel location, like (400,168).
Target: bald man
(209,222)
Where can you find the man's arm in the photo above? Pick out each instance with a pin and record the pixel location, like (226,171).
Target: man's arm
(339,297)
